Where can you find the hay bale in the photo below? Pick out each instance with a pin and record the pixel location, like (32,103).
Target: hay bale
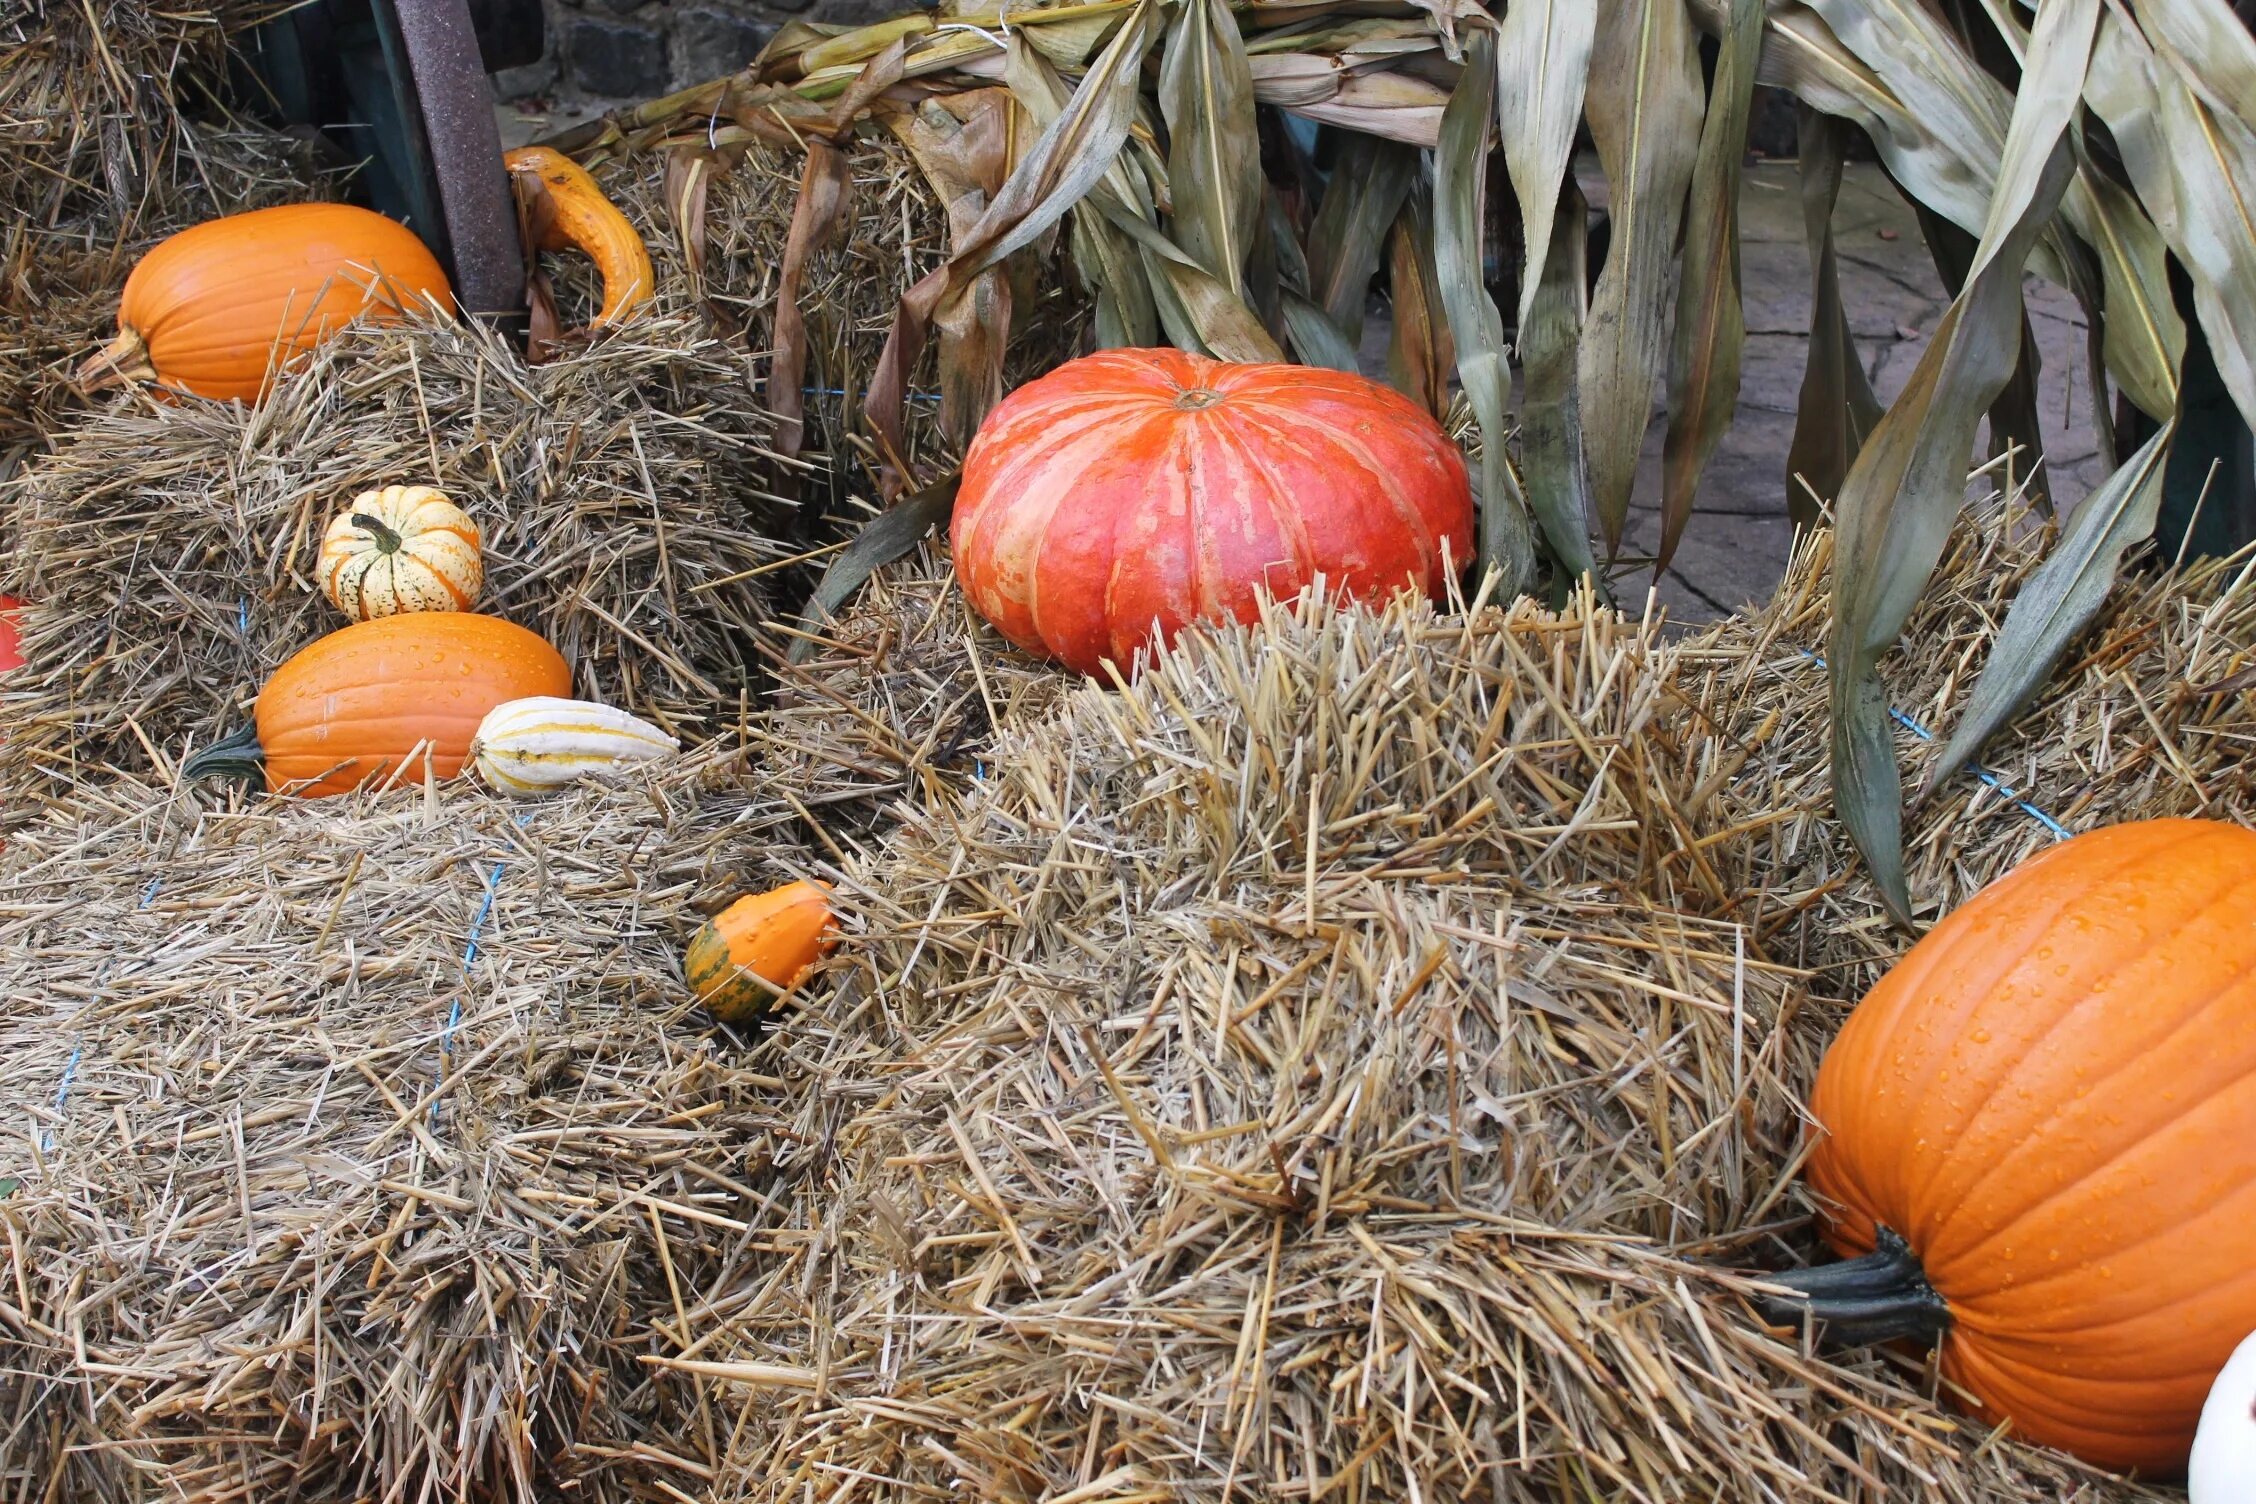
(1270,1084)
(167,547)
(2148,716)
(900,699)
(110,107)
(366,1148)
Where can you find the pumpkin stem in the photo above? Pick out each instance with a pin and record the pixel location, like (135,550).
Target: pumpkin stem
(239,756)
(1882,1297)
(123,360)
(386,538)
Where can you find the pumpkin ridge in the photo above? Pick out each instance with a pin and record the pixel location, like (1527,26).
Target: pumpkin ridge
(2207,1099)
(1166,421)
(2093,999)
(976,581)
(2007,1342)
(1291,522)
(1413,521)
(1917,973)
(2124,1063)
(1996,1383)
(1189,455)
(1054,448)
(1169,425)
(1101,439)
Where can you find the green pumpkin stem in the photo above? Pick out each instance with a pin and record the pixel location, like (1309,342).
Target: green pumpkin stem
(239,756)
(1881,1297)
(386,539)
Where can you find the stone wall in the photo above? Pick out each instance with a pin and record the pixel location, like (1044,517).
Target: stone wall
(638,49)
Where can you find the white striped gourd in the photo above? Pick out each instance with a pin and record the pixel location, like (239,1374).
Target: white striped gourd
(536,745)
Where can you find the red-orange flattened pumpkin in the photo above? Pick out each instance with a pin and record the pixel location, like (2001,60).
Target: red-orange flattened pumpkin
(2049,1107)
(216,309)
(1135,487)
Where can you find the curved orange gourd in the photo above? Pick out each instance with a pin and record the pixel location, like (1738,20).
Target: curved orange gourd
(2052,1100)
(582,218)
(221,306)
(1135,487)
(758,947)
(387,696)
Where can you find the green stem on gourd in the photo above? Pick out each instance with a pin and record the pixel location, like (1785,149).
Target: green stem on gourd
(387,540)
(1882,1297)
(239,756)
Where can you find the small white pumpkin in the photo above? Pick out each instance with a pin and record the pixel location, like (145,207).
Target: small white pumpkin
(536,745)
(2223,1469)
(403,548)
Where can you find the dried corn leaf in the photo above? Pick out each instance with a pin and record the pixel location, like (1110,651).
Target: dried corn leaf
(1711,322)
(1543,52)
(1420,355)
(1837,407)
(1214,149)
(1507,544)
(1361,202)
(1645,106)
(1897,505)
(2059,599)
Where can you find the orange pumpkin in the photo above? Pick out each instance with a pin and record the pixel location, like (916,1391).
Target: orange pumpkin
(11,643)
(1135,491)
(2040,1136)
(385,697)
(217,309)
(758,947)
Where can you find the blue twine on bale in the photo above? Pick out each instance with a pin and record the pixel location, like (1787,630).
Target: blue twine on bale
(2059,831)
(70,1066)
(469,958)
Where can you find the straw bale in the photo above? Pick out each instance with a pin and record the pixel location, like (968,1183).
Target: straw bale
(167,547)
(899,700)
(2147,716)
(1266,1085)
(894,232)
(110,107)
(364,1148)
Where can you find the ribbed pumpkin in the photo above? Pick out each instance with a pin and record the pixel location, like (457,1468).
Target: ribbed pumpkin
(401,548)
(221,306)
(384,696)
(537,745)
(11,643)
(1140,487)
(573,214)
(2044,1117)
(757,948)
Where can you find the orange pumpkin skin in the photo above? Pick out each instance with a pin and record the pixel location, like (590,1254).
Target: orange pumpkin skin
(2052,1098)
(352,707)
(218,308)
(1140,486)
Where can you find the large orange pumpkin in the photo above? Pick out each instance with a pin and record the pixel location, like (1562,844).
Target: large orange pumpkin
(1140,487)
(385,696)
(218,308)
(2045,1118)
